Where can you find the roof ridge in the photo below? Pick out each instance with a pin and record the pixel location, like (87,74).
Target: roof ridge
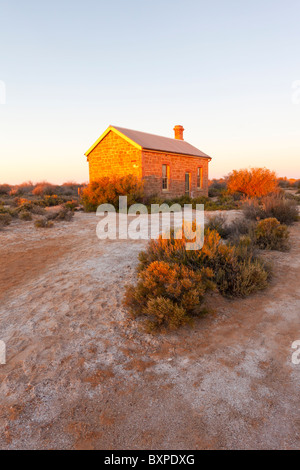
(148,133)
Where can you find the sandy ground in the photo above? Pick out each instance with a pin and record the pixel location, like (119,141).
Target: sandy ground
(79,375)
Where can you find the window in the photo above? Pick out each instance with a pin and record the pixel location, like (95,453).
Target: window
(200,177)
(187,183)
(165,177)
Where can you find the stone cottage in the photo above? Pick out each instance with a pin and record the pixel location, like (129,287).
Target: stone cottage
(169,167)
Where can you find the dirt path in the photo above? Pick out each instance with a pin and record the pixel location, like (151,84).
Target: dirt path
(80,375)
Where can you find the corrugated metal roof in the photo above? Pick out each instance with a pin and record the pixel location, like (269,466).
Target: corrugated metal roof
(162,144)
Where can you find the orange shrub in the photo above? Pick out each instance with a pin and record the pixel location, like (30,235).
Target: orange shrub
(107,191)
(255,182)
(43,189)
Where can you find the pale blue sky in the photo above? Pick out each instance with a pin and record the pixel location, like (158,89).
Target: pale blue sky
(224,70)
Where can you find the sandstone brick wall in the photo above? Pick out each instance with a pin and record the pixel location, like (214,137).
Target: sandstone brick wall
(179,165)
(114,156)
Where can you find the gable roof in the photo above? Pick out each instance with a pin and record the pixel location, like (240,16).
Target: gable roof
(145,141)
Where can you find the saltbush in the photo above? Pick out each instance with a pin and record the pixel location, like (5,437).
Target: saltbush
(5,189)
(218,223)
(43,223)
(25,215)
(168,295)
(274,206)
(65,214)
(167,266)
(271,235)
(5,219)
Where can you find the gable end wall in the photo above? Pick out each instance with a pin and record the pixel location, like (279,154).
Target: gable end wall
(114,156)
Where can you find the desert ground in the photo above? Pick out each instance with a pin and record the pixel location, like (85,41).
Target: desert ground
(81,375)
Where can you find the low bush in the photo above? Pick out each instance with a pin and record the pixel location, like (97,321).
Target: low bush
(25,215)
(271,235)
(236,271)
(218,223)
(107,191)
(44,189)
(22,189)
(223,203)
(273,206)
(52,200)
(65,214)
(33,207)
(281,208)
(71,205)
(70,188)
(168,295)
(13,213)
(60,214)
(217,187)
(5,219)
(238,228)
(5,189)
(43,223)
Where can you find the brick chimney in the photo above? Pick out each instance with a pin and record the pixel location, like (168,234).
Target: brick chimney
(178,132)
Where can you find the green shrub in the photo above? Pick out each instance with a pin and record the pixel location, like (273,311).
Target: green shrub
(230,264)
(61,214)
(5,189)
(25,215)
(271,235)
(11,212)
(43,223)
(275,206)
(281,208)
(65,214)
(168,295)
(217,187)
(107,191)
(223,203)
(71,205)
(238,271)
(218,223)
(5,219)
(52,200)
(240,227)
(253,210)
